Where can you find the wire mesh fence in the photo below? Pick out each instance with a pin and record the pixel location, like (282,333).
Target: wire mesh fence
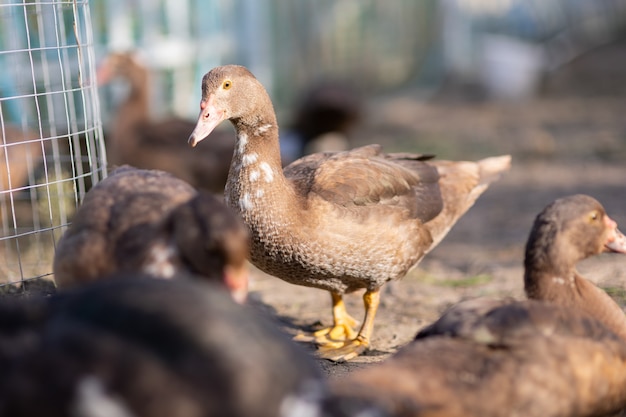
(51,147)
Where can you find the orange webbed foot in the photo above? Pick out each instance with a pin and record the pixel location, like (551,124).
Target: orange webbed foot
(348,350)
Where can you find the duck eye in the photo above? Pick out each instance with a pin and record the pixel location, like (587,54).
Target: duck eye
(227,84)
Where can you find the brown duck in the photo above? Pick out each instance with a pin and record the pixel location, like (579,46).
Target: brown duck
(486,358)
(149,221)
(136,139)
(137,346)
(325,117)
(336,221)
(559,357)
(21,153)
(564,233)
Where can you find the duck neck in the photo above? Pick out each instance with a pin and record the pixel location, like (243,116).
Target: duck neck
(548,273)
(131,114)
(135,106)
(256,187)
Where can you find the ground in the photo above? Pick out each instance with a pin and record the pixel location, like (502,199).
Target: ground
(560,146)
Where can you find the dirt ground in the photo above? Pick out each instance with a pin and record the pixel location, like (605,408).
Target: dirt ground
(560,146)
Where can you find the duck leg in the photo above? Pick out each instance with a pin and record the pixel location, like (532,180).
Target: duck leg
(354,347)
(341,330)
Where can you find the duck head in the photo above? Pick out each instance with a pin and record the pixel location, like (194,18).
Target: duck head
(232,93)
(569,230)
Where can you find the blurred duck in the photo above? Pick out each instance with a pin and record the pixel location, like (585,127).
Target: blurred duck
(140,347)
(21,153)
(336,221)
(564,233)
(486,358)
(136,139)
(325,115)
(152,222)
(563,356)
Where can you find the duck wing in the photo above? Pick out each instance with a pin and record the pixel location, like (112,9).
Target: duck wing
(366,177)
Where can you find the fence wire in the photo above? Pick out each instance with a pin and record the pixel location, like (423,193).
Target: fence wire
(51,146)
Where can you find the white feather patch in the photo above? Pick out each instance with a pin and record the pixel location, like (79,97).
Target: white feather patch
(264,129)
(160,263)
(255,175)
(92,400)
(305,403)
(245,203)
(249,158)
(267,170)
(242,142)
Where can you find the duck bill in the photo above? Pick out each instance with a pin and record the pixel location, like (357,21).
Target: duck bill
(208,120)
(236,279)
(617,242)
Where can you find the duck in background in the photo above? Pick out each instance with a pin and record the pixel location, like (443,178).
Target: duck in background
(566,232)
(325,115)
(21,154)
(562,353)
(149,221)
(498,359)
(21,151)
(339,221)
(135,139)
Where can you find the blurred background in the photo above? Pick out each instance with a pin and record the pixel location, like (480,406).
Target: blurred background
(544,80)
(501,48)
(506,52)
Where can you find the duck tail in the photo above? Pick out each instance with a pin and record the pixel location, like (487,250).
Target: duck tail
(492,168)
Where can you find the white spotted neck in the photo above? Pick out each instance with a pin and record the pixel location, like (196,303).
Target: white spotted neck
(257,188)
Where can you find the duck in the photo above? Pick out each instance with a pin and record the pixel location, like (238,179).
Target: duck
(326,114)
(152,222)
(490,358)
(21,153)
(567,231)
(136,139)
(564,344)
(136,346)
(339,222)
